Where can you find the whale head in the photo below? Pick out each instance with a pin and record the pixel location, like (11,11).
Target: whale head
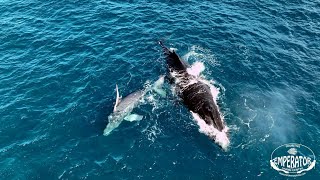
(114,121)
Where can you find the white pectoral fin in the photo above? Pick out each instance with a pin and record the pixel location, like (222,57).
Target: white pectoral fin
(161,92)
(157,87)
(133,117)
(117,99)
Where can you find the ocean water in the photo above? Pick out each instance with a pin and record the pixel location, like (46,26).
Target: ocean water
(60,62)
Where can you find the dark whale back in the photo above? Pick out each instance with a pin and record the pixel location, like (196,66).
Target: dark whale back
(173,60)
(196,96)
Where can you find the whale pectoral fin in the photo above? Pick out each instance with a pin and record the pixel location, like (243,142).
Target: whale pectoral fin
(157,87)
(161,92)
(118,99)
(133,117)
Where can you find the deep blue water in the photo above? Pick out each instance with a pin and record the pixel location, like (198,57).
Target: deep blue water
(60,61)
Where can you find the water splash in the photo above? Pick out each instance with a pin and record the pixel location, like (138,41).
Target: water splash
(200,54)
(220,138)
(196,69)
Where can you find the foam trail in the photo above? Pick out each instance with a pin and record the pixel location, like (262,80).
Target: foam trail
(196,69)
(220,138)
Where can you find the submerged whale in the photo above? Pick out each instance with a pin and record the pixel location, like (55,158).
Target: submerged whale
(196,94)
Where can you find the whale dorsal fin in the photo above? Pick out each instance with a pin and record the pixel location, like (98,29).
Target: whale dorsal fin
(117,99)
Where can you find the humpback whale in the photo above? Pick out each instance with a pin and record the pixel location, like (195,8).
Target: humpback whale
(124,106)
(196,94)
(122,109)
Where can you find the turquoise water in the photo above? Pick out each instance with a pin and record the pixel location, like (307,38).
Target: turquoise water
(60,62)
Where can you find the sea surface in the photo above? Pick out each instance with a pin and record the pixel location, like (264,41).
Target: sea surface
(61,60)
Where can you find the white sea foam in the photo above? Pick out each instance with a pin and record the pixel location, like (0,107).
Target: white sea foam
(220,138)
(196,69)
(173,49)
(200,54)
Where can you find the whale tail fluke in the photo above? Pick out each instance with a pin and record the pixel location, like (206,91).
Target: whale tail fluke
(173,60)
(166,50)
(161,44)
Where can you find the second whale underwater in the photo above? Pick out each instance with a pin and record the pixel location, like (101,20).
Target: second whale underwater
(195,92)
